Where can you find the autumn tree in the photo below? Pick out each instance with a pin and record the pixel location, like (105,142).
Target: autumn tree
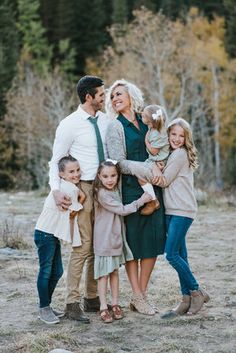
(183,67)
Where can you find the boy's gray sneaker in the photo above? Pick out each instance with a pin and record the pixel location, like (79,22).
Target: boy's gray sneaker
(58,313)
(46,315)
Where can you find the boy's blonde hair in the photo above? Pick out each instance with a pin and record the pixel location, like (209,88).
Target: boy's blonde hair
(188,143)
(157,116)
(135,94)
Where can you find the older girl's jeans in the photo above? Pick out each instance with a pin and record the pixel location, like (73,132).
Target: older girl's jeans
(176,251)
(50,265)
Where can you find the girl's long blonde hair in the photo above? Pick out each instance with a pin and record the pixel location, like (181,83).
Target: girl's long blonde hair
(189,143)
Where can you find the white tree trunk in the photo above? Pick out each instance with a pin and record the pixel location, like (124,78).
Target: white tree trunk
(215,101)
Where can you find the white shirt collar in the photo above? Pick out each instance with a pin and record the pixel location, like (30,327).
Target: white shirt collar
(83,114)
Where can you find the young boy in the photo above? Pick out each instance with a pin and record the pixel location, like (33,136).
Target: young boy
(54,224)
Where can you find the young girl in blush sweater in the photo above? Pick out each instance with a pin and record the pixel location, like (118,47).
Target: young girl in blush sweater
(110,246)
(180,209)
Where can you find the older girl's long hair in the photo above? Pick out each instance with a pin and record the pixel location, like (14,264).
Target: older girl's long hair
(97,184)
(189,143)
(135,94)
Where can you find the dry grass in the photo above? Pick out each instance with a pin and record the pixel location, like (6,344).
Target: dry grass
(211,243)
(11,236)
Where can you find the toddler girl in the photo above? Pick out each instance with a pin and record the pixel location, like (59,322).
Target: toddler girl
(110,246)
(54,224)
(180,209)
(156,140)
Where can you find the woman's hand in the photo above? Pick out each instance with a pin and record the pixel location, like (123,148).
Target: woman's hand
(158,177)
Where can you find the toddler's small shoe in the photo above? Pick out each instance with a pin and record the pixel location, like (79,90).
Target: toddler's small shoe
(150,207)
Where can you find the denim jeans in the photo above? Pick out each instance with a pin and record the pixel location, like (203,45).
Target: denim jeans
(176,251)
(50,265)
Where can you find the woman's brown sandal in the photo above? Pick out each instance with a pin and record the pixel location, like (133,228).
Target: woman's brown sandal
(117,312)
(106,316)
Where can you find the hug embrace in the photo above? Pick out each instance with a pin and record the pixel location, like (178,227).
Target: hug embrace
(130,198)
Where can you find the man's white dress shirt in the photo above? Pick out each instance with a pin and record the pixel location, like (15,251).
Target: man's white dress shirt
(76,136)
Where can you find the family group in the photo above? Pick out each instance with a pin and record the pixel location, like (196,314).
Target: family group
(122,193)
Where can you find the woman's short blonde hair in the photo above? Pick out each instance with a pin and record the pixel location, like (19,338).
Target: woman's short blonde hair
(135,94)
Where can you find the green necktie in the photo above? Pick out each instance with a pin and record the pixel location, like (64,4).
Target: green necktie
(100,149)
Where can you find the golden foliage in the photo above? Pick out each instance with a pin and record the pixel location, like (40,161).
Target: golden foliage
(182,66)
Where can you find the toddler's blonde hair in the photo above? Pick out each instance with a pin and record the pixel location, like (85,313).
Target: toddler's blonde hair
(161,121)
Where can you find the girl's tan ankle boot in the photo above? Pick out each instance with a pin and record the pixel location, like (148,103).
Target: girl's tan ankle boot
(198,298)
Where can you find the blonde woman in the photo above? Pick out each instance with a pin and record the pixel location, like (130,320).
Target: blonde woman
(180,209)
(126,144)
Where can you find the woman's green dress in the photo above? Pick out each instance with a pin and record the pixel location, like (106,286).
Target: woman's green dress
(145,234)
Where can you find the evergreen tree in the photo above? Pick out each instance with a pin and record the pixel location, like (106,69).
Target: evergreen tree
(209,8)
(58,19)
(9,49)
(48,11)
(120,11)
(230,36)
(174,9)
(35,51)
(149,4)
(9,53)
(90,33)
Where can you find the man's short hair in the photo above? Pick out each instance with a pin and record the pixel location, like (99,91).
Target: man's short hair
(88,85)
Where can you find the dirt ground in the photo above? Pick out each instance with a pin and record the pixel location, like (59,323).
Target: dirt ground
(212,257)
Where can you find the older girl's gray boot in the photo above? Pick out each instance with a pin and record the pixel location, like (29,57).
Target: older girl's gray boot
(198,298)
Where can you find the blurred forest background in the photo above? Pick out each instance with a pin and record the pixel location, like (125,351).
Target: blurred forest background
(182,54)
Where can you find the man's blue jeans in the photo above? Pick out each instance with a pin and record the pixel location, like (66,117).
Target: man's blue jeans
(176,251)
(50,265)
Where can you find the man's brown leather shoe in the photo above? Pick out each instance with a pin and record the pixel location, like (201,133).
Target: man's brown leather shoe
(74,312)
(91,305)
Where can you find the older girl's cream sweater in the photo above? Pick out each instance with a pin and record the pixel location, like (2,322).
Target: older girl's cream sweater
(179,197)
